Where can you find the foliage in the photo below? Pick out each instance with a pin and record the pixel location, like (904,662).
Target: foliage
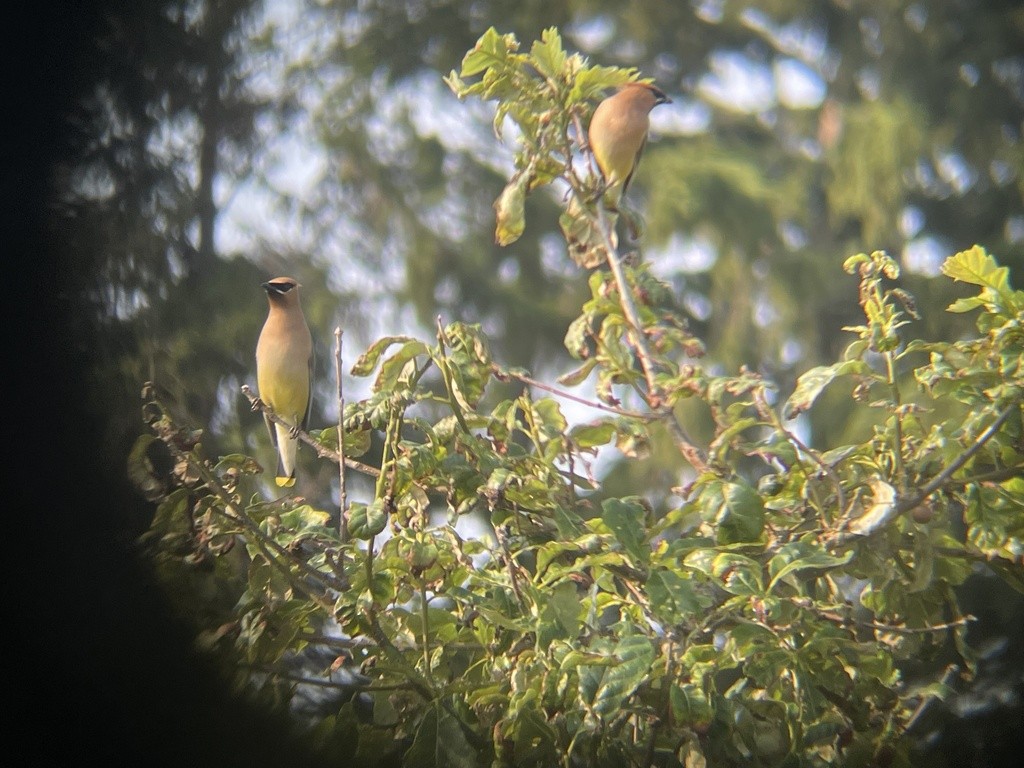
(761,621)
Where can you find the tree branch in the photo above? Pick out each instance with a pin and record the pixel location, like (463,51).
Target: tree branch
(322,451)
(940,479)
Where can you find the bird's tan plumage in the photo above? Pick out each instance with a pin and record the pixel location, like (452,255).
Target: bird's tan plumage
(284,370)
(618,132)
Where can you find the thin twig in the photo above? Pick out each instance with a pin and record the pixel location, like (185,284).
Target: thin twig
(898,630)
(342,495)
(500,373)
(767,411)
(686,446)
(825,466)
(995,476)
(950,674)
(628,305)
(303,680)
(908,503)
(690,452)
(629,309)
(321,450)
(940,479)
(425,628)
(419,683)
(839,618)
(446,374)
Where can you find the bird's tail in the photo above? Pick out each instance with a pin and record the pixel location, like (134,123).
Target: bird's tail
(287,446)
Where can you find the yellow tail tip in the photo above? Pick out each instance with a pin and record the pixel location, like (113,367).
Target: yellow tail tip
(285,482)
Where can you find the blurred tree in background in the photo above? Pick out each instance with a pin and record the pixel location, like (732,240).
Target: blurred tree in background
(219,144)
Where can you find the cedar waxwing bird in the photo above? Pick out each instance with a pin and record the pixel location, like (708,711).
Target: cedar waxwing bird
(284,371)
(618,132)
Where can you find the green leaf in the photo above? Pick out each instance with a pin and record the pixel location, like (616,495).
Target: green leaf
(366,521)
(491,50)
(632,439)
(626,521)
(797,556)
(593,434)
(690,707)
(853,263)
(603,689)
(577,342)
(546,417)
(578,376)
(560,616)
(439,743)
(592,81)
(720,446)
(568,524)
(304,516)
(811,383)
(395,369)
(357,441)
(548,55)
(966,304)
(741,516)
(535,739)
(366,363)
(739,575)
(584,238)
(673,598)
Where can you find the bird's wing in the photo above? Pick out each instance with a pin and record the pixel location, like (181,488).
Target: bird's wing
(309,397)
(270,429)
(636,162)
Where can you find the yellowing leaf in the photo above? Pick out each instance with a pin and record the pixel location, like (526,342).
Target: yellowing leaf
(811,384)
(510,211)
(883,509)
(975,266)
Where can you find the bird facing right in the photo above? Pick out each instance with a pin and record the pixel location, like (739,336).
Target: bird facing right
(618,133)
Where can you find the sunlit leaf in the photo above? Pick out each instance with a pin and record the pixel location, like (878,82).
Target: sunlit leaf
(975,266)
(560,616)
(368,361)
(593,434)
(811,384)
(882,510)
(548,55)
(490,51)
(366,521)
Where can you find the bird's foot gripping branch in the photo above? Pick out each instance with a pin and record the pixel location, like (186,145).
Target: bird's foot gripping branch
(756,613)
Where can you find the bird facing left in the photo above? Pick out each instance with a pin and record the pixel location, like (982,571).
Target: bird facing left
(284,371)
